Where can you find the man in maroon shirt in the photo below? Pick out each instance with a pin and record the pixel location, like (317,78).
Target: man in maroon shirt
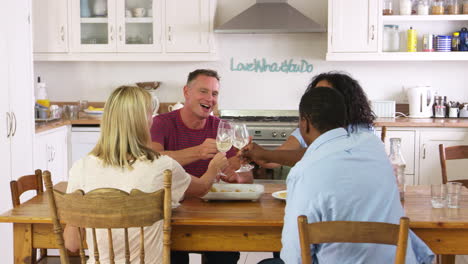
(188,135)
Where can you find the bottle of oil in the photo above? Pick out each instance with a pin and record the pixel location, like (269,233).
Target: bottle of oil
(412,42)
(41,96)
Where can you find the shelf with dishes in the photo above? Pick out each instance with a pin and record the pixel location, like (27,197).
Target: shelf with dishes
(94,20)
(399,18)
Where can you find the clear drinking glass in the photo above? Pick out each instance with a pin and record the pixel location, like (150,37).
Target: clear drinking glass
(224,138)
(240,140)
(438,195)
(453,194)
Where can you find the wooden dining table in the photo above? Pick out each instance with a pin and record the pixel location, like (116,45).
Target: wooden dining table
(247,225)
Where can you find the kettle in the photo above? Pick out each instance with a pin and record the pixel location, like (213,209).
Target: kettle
(177,106)
(420,100)
(155,102)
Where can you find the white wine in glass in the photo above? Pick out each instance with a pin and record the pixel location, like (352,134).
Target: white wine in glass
(240,140)
(224,138)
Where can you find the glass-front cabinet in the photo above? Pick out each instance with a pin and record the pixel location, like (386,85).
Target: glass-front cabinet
(116,25)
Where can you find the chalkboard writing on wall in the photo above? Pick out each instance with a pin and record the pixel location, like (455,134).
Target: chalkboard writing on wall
(261,65)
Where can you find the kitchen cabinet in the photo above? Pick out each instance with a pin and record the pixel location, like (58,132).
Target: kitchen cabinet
(51,152)
(192,33)
(137,30)
(117,26)
(429,160)
(50,26)
(355,32)
(408,147)
(352,26)
(16,109)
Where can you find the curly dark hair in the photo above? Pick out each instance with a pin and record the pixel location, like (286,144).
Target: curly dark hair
(358,110)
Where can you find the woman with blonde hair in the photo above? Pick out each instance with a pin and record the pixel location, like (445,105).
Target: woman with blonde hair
(123,159)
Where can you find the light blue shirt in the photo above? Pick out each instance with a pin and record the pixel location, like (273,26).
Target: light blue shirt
(345,176)
(351,128)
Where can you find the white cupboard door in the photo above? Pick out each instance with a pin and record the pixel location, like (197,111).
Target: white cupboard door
(139,26)
(41,152)
(430,170)
(93,26)
(50,30)
(5,121)
(59,154)
(21,89)
(188,26)
(353,26)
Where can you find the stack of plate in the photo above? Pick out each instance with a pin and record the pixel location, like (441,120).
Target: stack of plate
(444,43)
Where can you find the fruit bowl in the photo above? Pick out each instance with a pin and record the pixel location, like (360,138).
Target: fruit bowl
(148,85)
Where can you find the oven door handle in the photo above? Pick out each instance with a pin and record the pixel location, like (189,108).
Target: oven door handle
(269,145)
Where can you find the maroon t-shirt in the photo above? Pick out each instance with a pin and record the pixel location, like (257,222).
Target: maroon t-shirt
(170,131)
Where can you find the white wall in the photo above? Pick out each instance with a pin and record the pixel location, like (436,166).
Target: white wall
(69,81)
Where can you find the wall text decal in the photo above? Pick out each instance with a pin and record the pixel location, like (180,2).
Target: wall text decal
(261,65)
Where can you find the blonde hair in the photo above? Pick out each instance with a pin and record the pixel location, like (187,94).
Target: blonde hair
(125,135)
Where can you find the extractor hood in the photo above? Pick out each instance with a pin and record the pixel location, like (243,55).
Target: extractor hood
(270,16)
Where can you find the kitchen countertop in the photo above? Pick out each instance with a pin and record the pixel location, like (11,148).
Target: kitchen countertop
(85,119)
(422,122)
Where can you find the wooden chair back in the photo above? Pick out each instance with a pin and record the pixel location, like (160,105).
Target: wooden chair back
(383,134)
(452,153)
(353,232)
(111,208)
(25,183)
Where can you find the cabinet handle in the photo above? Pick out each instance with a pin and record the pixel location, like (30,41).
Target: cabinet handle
(120,33)
(8,124)
(424,151)
(62,33)
(372,32)
(14,118)
(112,33)
(169,36)
(48,153)
(52,154)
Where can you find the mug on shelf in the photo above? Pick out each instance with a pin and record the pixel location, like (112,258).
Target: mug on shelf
(453,112)
(139,12)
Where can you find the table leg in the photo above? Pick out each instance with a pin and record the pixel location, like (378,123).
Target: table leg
(22,240)
(447,259)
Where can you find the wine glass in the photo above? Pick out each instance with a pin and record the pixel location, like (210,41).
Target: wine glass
(240,140)
(224,138)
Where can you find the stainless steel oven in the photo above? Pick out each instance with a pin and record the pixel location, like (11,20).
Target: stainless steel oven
(269,129)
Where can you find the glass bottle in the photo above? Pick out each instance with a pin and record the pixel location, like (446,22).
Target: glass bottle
(406,7)
(398,164)
(423,8)
(465,7)
(438,7)
(453,7)
(391,38)
(387,8)
(455,41)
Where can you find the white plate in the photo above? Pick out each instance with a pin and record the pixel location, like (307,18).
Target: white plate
(94,112)
(281,195)
(228,191)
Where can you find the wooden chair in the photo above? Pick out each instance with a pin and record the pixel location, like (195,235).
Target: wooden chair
(452,153)
(17,188)
(383,134)
(109,208)
(353,232)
